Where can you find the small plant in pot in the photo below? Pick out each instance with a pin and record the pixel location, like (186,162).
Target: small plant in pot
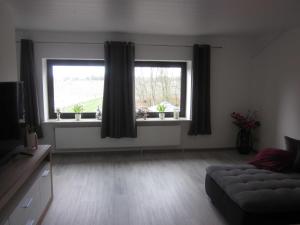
(161,108)
(78,109)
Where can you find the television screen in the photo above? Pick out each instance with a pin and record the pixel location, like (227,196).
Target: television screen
(11,114)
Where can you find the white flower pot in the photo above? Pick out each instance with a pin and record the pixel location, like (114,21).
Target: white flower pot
(77,116)
(161,116)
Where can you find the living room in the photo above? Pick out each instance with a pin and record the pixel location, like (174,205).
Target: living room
(155,173)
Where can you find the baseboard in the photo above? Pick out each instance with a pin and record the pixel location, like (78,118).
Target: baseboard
(209,149)
(139,149)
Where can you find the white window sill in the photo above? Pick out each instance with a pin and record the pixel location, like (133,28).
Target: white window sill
(95,122)
(168,119)
(55,121)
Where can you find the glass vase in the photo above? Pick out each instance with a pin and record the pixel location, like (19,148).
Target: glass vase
(244,142)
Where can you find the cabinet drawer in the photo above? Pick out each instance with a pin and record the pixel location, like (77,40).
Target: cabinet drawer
(26,211)
(45,186)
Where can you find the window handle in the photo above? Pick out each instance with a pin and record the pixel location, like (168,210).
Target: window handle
(30,222)
(27,203)
(45,173)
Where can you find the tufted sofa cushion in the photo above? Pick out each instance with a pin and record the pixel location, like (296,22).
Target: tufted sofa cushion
(257,190)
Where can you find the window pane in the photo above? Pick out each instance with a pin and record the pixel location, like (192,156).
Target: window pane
(78,85)
(157,85)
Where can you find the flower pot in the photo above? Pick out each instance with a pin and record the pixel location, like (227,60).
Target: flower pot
(161,115)
(244,143)
(77,116)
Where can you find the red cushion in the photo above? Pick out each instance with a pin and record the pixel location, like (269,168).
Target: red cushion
(273,159)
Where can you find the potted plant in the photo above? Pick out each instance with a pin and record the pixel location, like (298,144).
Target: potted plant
(246,124)
(161,108)
(78,109)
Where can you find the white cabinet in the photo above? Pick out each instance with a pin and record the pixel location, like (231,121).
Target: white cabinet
(26,188)
(26,211)
(45,186)
(32,205)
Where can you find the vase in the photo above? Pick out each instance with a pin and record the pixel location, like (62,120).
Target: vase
(244,143)
(161,115)
(176,114)
(57,116)
(145,116)
(31,140)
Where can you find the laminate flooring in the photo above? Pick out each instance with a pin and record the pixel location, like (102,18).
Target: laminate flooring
(130,188)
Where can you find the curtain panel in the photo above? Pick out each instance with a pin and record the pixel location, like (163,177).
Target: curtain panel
(118,110)
(201,121)
(27,75)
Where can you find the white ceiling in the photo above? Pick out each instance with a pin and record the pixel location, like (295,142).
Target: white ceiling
(180,17)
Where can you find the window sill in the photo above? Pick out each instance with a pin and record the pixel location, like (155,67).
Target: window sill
(97,123)
(54,121)
(159,122)
(73,123)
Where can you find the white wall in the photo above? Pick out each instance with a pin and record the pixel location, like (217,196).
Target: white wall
(230,70)
(276,89)
(8,60)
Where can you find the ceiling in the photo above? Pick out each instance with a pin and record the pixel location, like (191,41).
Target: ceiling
(176,17)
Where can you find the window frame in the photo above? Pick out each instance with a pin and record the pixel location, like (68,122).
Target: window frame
(50,84)
(183,89)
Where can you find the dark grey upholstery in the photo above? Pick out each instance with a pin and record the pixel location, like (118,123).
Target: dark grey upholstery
(254,193)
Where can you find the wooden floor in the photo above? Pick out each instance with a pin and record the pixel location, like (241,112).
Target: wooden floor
(134,189)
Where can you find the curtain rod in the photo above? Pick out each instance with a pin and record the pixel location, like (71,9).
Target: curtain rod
(102,43)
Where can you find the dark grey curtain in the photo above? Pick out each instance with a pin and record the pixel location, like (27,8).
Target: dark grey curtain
(118,117)
(201,91)
(27,73)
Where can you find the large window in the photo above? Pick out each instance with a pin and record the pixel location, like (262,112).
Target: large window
(72,82)
(160,83)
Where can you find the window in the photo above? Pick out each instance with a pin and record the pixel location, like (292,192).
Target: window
(160,83)
(72,82)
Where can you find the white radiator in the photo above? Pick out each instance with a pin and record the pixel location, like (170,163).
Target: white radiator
(89,137)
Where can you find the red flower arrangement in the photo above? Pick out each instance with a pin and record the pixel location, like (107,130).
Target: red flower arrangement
(248,122)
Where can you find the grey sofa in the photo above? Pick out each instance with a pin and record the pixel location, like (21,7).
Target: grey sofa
(246,195)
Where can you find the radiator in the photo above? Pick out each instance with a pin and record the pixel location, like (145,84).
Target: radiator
(89,137)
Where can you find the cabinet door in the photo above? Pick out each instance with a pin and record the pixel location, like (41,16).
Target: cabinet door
(45,186)
(26,211)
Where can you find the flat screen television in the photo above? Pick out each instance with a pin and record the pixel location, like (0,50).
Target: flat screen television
(11,117)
